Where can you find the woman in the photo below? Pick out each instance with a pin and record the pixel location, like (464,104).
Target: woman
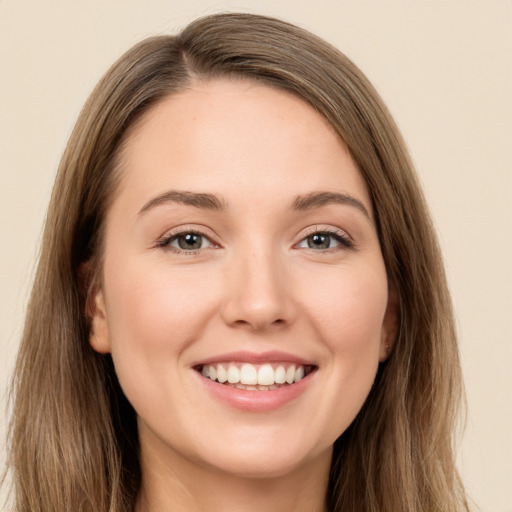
(240,302)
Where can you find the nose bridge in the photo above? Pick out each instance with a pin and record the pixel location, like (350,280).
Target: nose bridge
(257,295)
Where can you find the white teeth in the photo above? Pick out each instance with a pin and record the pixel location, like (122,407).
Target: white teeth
(280,375)
(290,374)
(233,374)
(252,388)
(248,374)
(266,375)
(222,374)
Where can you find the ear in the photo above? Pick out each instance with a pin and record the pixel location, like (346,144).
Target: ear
(93,303)
(389,327)
(99,333)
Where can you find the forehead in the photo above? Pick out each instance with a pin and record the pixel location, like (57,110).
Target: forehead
(230,136)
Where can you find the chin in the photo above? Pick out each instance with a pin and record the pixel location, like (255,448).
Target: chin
(265,468)
(263,461)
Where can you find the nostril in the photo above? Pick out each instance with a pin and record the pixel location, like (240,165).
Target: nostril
(259,322)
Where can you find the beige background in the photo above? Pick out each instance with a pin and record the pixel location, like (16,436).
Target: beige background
(443,66)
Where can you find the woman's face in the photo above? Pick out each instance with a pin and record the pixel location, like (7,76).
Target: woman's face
(241,247)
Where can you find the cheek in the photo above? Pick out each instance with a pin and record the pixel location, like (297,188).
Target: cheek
(153,316)
(348,318)
(348,309)
(154,304)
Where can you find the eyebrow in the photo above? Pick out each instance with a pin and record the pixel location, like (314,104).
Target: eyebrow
(319,199)
(199,200)
(212,202)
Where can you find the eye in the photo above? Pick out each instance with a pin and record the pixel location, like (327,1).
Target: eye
(324,240)
(187,241)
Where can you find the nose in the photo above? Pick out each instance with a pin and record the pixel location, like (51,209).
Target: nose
(259,294)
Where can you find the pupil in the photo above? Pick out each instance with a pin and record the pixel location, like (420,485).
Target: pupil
(319,241)
(190,241)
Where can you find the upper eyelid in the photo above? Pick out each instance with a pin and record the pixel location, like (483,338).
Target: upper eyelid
(214,239)
(344,238)
(319,228)
(169,236)
(189,228)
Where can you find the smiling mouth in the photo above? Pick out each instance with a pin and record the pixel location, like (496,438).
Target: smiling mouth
(255,377)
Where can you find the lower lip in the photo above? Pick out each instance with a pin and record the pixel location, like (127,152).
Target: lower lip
(256,401)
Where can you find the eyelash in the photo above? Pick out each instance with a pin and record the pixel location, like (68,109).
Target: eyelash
(165,243)
(339,236)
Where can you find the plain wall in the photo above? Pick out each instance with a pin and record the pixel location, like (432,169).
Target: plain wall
(444,67)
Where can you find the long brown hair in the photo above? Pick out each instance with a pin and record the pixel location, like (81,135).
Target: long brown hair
(73,437)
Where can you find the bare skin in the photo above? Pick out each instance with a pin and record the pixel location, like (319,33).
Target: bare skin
(241,236)
(167,489)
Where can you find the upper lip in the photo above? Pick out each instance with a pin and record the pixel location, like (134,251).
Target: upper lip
(273,356)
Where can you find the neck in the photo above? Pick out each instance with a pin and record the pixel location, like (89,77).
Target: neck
(175,483)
